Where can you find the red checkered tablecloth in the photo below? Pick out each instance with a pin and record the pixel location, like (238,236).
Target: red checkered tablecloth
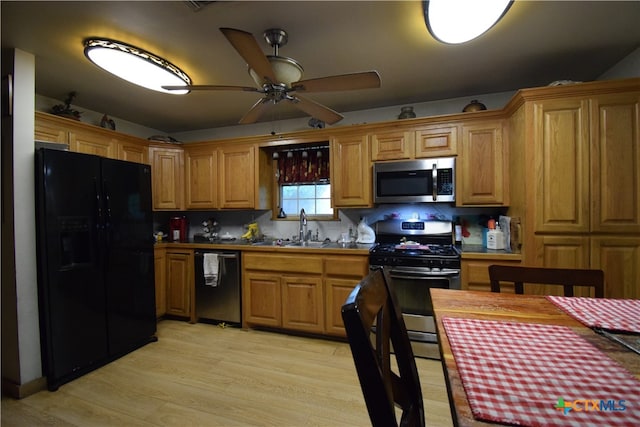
(613,314)
(540,375)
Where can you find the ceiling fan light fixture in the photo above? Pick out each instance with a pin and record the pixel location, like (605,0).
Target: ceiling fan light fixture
(136,65)
(286,71)
(459,21)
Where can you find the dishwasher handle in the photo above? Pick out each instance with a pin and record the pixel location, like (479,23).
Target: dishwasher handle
(220,255)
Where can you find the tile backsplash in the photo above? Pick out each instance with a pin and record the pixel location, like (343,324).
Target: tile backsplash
(234,222)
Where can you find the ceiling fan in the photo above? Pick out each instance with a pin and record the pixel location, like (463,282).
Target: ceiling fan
(278,78)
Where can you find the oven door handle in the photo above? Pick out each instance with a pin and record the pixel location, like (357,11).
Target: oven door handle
(423,277)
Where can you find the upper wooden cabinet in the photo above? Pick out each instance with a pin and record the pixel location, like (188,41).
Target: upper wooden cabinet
(482,169)
(51,129)
(398,144)
(237,175)
(406,143)
(167,175)
(89,139)
(575,157)
(615,163)
(93,143)
(351,171)
(436,141)
(201,177)
(132,149)
(561,143)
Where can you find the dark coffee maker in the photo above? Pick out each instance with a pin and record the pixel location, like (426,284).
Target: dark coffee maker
(178,226)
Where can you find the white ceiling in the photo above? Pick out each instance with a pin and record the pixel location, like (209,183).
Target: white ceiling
(537,42)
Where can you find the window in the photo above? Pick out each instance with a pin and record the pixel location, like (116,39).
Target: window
(302,180)
(314,198)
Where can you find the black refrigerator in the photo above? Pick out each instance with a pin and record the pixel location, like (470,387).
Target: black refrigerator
(96,290)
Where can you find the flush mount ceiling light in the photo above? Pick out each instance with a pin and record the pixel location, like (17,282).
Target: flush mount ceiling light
(135,65)
(458,21)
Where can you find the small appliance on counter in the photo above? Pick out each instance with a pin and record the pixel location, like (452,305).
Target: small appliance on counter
(178,226)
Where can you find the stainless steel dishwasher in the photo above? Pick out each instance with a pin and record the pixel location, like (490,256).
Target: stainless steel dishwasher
(220,302)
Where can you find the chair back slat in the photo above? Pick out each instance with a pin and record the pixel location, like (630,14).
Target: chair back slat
(566,277)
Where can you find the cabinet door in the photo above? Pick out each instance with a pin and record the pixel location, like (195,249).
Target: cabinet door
(302,302)
(133,150)
(92,143)
(160,268)
(237,177)
(435,141)
(179,283)
(482,170)
(337,291)
(619,258)
(167,167)
(261,299)
(351,171)
(393,145)
(47,129)
(615,163)
(201,178)
(562,251)
(561,181)
(474,275)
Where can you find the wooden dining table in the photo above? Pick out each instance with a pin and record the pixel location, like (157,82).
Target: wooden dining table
(509,308)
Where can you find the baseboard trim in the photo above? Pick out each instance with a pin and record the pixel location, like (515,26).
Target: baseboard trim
(20,391)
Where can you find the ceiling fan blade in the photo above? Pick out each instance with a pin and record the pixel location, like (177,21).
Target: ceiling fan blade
(213,87)
(248,48)
(354,81)
(256,111)
(316,110)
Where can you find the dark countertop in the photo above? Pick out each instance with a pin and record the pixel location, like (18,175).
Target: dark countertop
(243,245)
(480,252)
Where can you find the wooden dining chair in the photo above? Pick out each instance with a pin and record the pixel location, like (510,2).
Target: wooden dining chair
(566,277)
(373,306)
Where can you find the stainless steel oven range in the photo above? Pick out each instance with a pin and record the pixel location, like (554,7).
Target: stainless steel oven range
(419,255)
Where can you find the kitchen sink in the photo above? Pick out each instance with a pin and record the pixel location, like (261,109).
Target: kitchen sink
(308,244)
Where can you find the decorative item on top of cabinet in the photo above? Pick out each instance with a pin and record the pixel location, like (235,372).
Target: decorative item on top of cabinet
(351,171)
(483,178)
(407,113)
(474,105)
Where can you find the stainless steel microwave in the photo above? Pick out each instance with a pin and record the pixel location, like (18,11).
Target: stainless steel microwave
(415,181)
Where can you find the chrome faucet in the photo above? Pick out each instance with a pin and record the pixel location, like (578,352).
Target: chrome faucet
(303,225)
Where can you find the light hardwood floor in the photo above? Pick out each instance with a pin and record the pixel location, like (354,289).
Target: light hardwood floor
(204,375)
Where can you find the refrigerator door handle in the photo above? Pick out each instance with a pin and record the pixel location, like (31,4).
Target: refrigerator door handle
(99,213)
(107,205)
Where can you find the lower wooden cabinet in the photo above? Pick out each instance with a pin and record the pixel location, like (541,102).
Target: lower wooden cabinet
(302,303)
(474,274)
(180,286)
(262,299)
(619,258)
(299,292)
(160,270)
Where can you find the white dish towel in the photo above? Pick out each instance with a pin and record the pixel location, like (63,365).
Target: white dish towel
(211,267)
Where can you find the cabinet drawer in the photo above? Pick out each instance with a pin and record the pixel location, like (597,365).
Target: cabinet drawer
(283,263)
(346,266)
